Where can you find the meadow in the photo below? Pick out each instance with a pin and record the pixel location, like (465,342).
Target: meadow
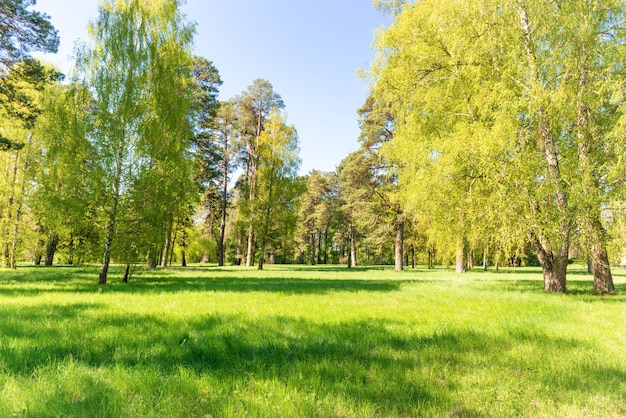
(298,341)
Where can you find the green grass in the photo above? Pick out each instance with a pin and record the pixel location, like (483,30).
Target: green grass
(308,342)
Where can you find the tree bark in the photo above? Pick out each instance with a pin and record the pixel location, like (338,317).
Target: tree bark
(250,252)
(312,249)
(460,260)
(553,264)
(166,244)
(399,250)
(353,261)
(126,273)
(51,247)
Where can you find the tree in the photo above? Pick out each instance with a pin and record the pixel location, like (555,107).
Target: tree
(276,193)
(224,135)
(21,90)
(482,97)
(138,70)
(23,31)
(208,150)
(254,107)
(65,199)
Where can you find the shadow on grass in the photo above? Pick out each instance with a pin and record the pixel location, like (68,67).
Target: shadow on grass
(379,363)
(83,280)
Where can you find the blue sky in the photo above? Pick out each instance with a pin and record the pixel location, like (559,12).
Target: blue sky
(310,50)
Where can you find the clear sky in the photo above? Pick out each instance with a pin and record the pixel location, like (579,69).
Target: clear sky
(310,50)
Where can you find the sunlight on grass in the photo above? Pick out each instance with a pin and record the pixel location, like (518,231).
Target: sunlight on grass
(303,341)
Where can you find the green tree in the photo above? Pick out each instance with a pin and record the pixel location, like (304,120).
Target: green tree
(21,89)
(23,31)
(254,107)
(225,136)
(274,206)
(138,69)
(497,113)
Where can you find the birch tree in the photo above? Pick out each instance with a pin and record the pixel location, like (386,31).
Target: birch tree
(137,67)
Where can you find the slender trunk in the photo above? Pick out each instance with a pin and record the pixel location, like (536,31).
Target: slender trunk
(319,246)
(485,259)
(460,260)
(238,253)
(127,273)
(38,255)
(353,261)
(250,252)
(413,257)
(312,249)
(470,259)
(399,250)
(166,244)
(106,258)
(220,241)
(51,247)
(326,245)
(171,256)
(184,260)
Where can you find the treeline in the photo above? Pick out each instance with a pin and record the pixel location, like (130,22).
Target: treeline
(493,135)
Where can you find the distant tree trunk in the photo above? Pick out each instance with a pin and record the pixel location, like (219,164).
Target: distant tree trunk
(413,257)
(220,241)
(51,247)
(171,256)
(431,257)
(326,245)
(485,260)
(589,265)
(37,254)
(312,249)
(250,253)
(353,261)
(399,250)
(470,259)
(127,273)
(166,244)
(70,251)
(460,260)
(184,260)
(238,248)
(319,246)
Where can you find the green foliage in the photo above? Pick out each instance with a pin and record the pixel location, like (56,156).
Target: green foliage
(138,69)
(23,31)
(503,128)
(307,342)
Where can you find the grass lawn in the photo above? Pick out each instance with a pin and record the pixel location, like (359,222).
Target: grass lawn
(308,342)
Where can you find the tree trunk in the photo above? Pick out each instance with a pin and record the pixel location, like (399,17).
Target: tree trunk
(485,260)
(413,257)
(220,241)
(353,261)
(553,264)
(127,273)
(460,260)
(51,247)
(399,250)
(166,244)
(326,245)
(250,253)
(470,259)
(312,249)
(602,277)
